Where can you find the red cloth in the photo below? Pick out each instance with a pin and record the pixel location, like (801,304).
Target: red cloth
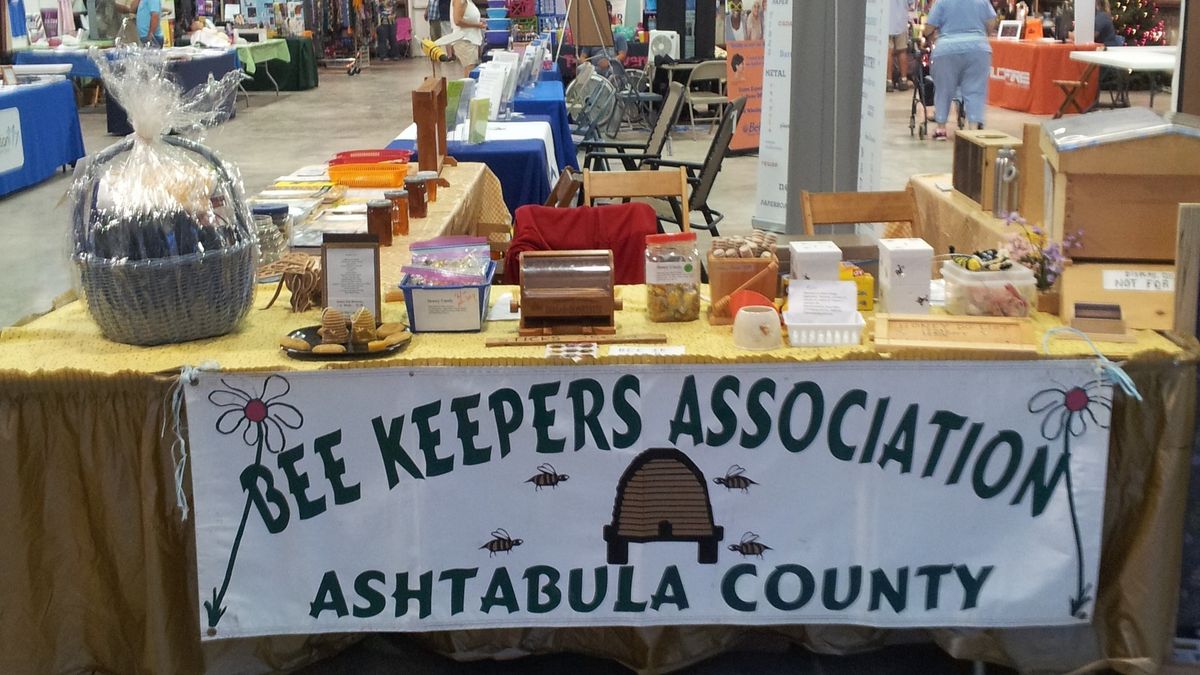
(1023,74)
(621,228)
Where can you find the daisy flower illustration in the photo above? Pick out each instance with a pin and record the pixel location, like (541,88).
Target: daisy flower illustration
(260,418)
(1067,412)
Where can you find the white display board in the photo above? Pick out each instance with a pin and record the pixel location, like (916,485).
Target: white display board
(874,86)
(879,494)
(12,146)
(772,198)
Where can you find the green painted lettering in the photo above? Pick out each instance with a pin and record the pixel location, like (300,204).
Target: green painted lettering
(423,594)
(1043,486)
(536,589)
(808,587)
(543,417)
(458,586)
(265,497)
(430,438)
(723,412)
(829,588)
(507,423)
(575,590)
(972,584)
(374,598)
(729,587)
(499,593)
(979,476)
(670,590)
(881,587)
(335,468)
(933,576)
(946,422)
(686,421)
(964,453)
(587,413)
(759,415)
(298,484)
(815,415)
(468,429)
(627,411)
(868,453)
(899,447)
(837,446)
(625,601)
(329,597)
(392,452)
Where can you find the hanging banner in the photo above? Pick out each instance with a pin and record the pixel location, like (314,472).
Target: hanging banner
(458,498)
(874,84)
(12,148)
(744,77)
(776,111)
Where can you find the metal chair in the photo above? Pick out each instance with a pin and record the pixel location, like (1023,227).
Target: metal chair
(631,154)
(708,71)
(703,175)
(591,100)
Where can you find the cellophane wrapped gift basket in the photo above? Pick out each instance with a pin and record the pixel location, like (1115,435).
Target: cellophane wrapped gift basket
(163,238)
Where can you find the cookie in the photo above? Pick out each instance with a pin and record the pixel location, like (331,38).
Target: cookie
(295,344)
(329,349)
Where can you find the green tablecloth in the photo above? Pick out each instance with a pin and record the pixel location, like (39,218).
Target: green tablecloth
(297,74)
(253,53)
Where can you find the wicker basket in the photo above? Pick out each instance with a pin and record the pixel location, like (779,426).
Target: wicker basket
(172,299)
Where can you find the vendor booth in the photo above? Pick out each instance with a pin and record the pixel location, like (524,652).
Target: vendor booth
(39,125)
(1024,71)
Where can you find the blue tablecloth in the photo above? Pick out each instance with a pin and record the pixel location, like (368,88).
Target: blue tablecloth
(188,73)
(552,75)
(547,98)
(81,64)
(520,166)
(49,131)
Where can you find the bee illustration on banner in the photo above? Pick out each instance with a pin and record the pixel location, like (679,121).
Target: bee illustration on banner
(547,476)
(501,542)
(735,479)
(749,545)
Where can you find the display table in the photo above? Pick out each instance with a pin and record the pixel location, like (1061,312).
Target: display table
(1129,60)
(81,64)
(520,158)
(297,73)
(189,72)
(102,576)
(548,98)
(1023,72)
(49,133)
(949,218)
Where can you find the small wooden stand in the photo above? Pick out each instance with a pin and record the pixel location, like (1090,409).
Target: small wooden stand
(567,293)
(429,113)
(975,163)
(992,333)
(1100,322)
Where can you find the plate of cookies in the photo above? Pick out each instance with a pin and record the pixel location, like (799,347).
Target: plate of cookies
(358,337)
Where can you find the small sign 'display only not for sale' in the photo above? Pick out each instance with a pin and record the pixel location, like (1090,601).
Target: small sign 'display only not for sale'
(883,494)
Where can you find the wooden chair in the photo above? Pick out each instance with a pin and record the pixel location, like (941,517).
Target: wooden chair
(670,184)
(566,189)
(844,208)
(1072,90)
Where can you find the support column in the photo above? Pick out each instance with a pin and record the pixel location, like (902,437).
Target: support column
(1187,81)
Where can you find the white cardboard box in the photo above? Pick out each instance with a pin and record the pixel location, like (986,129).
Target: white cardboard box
(905,262)
(907,297)
(815,260)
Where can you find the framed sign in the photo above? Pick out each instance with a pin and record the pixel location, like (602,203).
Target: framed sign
(10,75)
(350,272)
(1010,30)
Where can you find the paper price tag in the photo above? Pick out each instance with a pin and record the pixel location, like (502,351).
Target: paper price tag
(823,301)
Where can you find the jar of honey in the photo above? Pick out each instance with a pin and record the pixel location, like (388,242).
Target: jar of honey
(379,220)
(417,207)
(431,179)
(399,200)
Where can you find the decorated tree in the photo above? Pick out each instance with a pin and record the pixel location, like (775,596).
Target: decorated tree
(1137,21)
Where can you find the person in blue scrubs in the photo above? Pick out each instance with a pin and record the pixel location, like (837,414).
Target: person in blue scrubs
(149,22)
(962,57)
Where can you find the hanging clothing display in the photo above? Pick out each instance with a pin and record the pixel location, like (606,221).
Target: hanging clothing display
(66,17)
(16,18)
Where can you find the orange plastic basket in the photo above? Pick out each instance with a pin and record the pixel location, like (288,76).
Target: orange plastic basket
(369,175)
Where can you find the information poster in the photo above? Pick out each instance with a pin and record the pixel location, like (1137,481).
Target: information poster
(871,493)
(12,148)
(771,211)
(874,86)
(744,77)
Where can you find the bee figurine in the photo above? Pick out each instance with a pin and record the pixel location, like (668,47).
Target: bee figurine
(749,546)
(734,479)
(547,477)
(501,542)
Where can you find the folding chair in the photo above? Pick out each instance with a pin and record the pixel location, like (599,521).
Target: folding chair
(566,189)
(703,175)
(898,210)
(671,185)
(708,71)
(632,154)
(1072,90)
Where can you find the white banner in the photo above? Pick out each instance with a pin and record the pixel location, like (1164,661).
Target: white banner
(771,212)
(884,494)
(12,148)
(874,84)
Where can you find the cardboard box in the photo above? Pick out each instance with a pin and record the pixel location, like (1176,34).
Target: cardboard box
(904,298)
(725,275)
(447,309)
(865,283)
(905,262)
(814,260)
(860,249)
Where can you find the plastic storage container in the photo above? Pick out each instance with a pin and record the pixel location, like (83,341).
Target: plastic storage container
(499,24)
(672,277)
(497,12)
(802,334)
(1012,292)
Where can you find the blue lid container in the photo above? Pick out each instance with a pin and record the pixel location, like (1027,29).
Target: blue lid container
(497,12)
(499,24)
(496,37)
(270,209)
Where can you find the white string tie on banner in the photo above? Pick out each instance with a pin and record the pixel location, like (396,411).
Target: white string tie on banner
(1105,369)
(187,375)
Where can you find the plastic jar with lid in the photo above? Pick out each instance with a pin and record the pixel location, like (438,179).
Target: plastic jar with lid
(399,200)
(379,220)
(279,216)
(431,179)
(672,277)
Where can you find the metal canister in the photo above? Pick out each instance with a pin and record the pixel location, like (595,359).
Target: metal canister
(1005,186)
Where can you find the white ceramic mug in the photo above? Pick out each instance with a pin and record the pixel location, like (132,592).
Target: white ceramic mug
(756,328)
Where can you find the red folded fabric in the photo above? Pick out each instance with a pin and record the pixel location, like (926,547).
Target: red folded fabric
(621,228)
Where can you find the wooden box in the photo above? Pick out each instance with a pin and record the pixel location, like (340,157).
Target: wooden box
(1123,190)
(975,161)
(1146,293)
(725,275)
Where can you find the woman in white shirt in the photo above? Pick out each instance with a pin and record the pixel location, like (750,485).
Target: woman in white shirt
(467,37)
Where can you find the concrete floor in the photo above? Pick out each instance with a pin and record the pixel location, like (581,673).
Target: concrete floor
(279,133)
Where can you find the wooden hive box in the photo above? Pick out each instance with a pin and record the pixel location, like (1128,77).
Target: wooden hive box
(1119,177)
(975,163)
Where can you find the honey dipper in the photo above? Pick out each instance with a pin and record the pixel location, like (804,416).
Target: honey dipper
(719,307)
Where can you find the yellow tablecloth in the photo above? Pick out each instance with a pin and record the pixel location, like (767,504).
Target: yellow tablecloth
(99,571)
(950,219)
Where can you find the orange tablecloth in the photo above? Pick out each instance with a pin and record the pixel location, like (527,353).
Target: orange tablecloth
(1023,74)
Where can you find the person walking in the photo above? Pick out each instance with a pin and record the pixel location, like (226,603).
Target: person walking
(898,30)
(962,58)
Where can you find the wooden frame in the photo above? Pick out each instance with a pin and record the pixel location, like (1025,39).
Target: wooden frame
(566,189)
(589,23)
(332,241)
(429,113)
(628,184)
(9,74)
(1187,269)
(989,333)
(844,208)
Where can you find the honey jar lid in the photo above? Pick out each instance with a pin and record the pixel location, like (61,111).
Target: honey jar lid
(672,238)
(395,194)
